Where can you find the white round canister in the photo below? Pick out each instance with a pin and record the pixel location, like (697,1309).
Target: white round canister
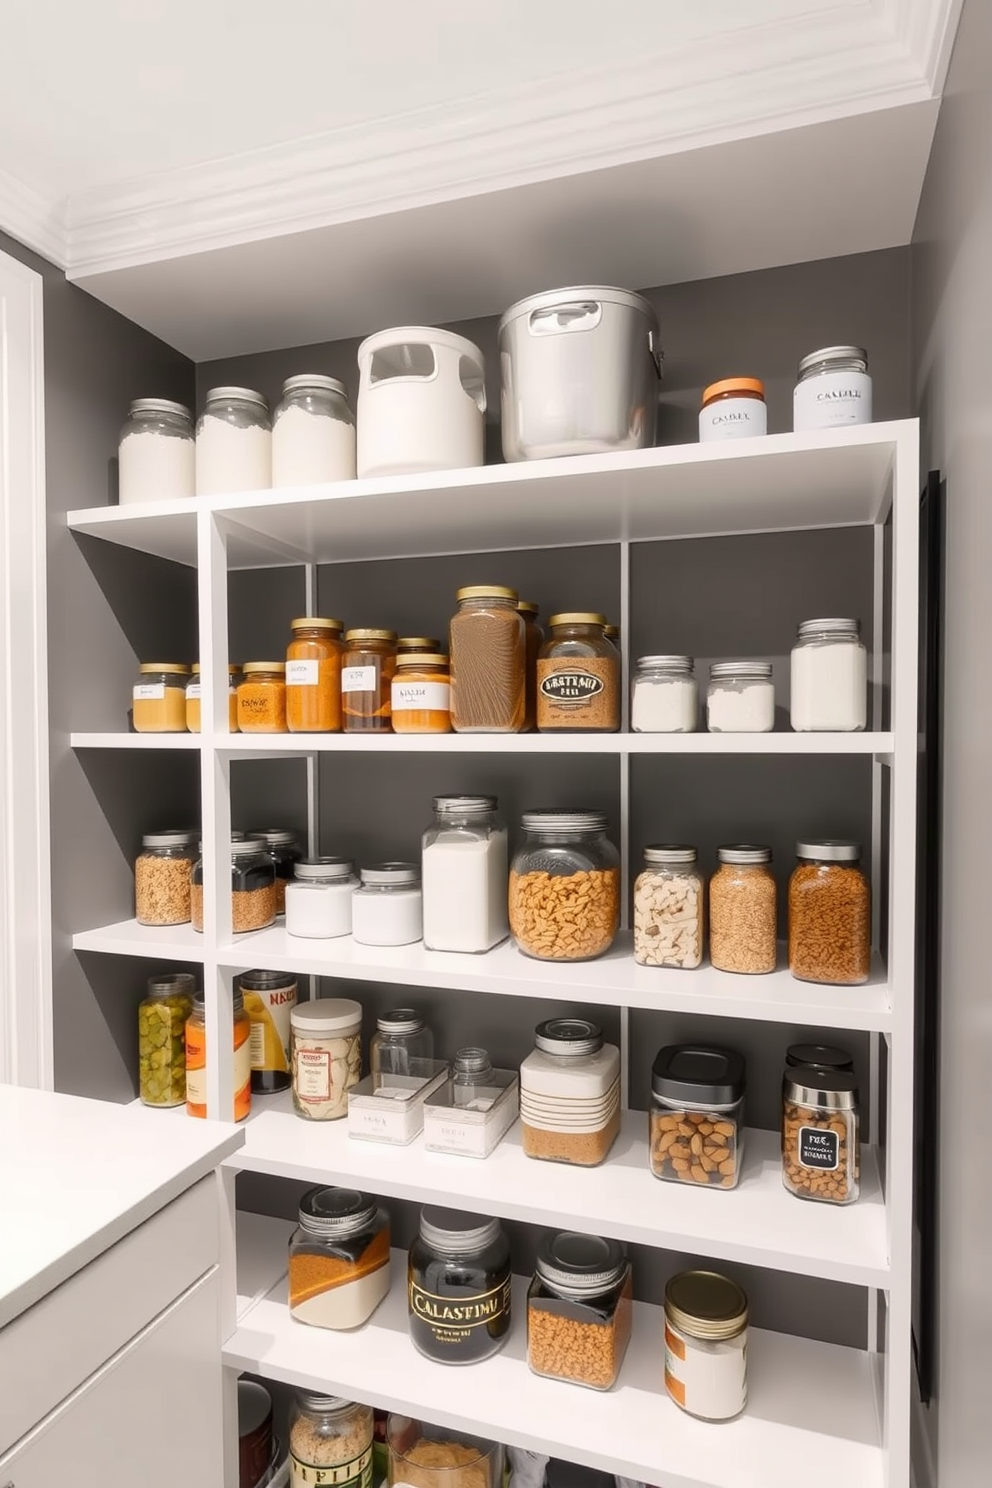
(833,390)
(421,402)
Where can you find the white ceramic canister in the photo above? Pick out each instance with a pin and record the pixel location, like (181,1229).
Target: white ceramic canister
(733,409)
(387,909)
(833,390)
(829,687)
(421,402)
(318,900)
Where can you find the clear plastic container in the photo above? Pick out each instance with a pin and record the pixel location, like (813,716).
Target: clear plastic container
(313,432)
(579,1310)
(830,915)
(472,1112)
(740,698)
(570,1093)
(285,851)
(156,458)
(670,909)
(821,1135)
(338,1258)
(743,910)
(402,1044)
(564,896)
(464,870)
(233,443)
(696,1125)
(330,1441)
(253,888)
(664,696)
(162,1015)
(829,677)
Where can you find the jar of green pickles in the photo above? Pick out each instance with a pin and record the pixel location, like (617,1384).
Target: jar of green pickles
(162,1015)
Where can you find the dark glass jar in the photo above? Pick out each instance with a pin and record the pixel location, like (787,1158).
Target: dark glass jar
(253,888)
(285,851)
(579,1310)
(533,641)
(269,999)
(459,1286)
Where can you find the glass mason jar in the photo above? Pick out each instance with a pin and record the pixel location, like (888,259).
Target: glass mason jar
(437,1457)
(338,1258)
(829,683)
(829,915)
(533,641)
(197,1054)
(269,998)
(313,432)
(488,661)
(733,409)
(664,698)
(421,693)
(330,1441)
(158,698)
(156,458)
(670,909)
(578,677)
(740,698)
(162,1015)
(696,1125)
(833,389)
(579,1310)
(367,669)
(233,443)
(262,698)
(706,1317)
(318,901)
(387,908)
(464,868)
(162,878)
(564,895)
(326,1053)
(459,1286)
(612,634)
(285,851)
(253,888)
(313,676)
(418,646)
(194,696)
(402,1045)
(570,1093)
(821,1151)
(743,910)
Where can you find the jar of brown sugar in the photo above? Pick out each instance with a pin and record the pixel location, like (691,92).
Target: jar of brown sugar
(570,1093)
(158,698)
(533,641)
(367,669)
(578,677)
(262,698)
(488,661)
(829,915)
(313,676)
(821,1154)
(743,910)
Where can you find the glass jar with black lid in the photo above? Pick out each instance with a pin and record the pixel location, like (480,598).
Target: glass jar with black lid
(285,851)
(338,1258)
(579,1310)
(459,1286)
(819,1056)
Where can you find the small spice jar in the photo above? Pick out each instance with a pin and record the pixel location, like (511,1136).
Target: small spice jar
(533,641)
(830,915)
(743,910)
(421,693)
(269,998)
(664,698)
(669,908)
(706,1344)
(696,1125)
(387,908)
(733,409)
(194,696)
(253,888)
(326,1053)
(330,1441)
(564,898)
(418,646)
(570,1093)
(740,698)
(285,851)
(313,676)
(313,432)
(488,661)
(402,1044)
(459,1286)
(821,1147)
(162,878)
(155,458)
(474,1110)
(579,1310)
(162,1015)
(464,867)
(197,1053)
(318,901)
(833,390)
(578,677)
(338,1258)
(158,698)
(367,669)
(262,698)
(829,682)
(422,1455)
(233,443)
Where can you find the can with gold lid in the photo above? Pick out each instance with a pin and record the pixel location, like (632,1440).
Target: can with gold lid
(706,1344)
(578,676)
(733,409)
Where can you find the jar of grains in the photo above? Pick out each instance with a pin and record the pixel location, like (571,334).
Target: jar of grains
(158,698)
(570,1093)
(330,1441)
(197,1051)
(706,1344)
(313,676)
(285,851)
(269,998)
(743,910)
(421,693)
(579,1310)
(533,641)
(162,873)
(233,443)
(664,698)
(488,661)
(833,389)
(464,866)
(155,458)
(387,908)
(565,886)
(821,1151)
(327,1056)
(262,698)
(697,1115)
(318,901)
(367,669)
(829,915)
(162,1015)
(313,432)
(829,687)
(425,1456)
(740,698)
(338,1258)
(253,888)
(459,1286)
(578,677)
(194,696)
(733,409)
(669,908)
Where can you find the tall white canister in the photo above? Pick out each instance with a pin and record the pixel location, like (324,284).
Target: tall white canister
(421,402)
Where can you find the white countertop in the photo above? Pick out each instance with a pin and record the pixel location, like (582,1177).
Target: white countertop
(77,1175)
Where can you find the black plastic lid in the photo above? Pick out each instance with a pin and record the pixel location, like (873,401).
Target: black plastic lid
(580,1264)
(819,1056)
(698,1073)
(264,981)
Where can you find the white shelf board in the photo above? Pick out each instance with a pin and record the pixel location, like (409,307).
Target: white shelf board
(128,938)
(250,746)
(757,1224)
(120,740)
(781,483)
(262,1254)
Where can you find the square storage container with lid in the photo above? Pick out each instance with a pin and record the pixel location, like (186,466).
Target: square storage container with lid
(389,1107)
(472,1112)
(570,1093)
(579,1310)
(697,1115)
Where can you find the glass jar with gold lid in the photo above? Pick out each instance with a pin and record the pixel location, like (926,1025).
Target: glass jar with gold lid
(313,676)
(194,695)
(367,668)
(706,1344)
(578,677)
(262,698)
(533,641)
(158,699)
(418,645)
(488,661)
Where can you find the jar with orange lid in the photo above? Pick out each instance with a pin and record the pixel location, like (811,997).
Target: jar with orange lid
(733,409)
(424,645)
(262,698)
(158,698)
(533,641)
(313,676)
(421,694)
(197,1054)
(367,669)
(194,694)
(578,677)
(488,661)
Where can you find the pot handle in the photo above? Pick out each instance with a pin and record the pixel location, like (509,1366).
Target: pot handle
(657,354)
(580,315)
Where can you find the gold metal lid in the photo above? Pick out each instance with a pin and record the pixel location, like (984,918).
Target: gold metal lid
(195,668)
(611,632)
(163,666)
(306,622)
(528,607)
(421,643)
(234,667)
(486,591)
(705,1304)
(421,658)
(370,635)
(263,666)
(577,617)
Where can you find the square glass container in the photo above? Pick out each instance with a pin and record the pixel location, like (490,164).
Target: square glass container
(472,1128)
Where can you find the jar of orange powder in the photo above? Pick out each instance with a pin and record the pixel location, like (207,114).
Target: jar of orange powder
(196,1059)
(262,698)
(194,693)
(421,695)
(313,676)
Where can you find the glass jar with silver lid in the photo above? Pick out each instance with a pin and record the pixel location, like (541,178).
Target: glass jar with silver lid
(233,443)
(664,698)
(156,459)
(833,390)
(387,908)
(313,432)
(829,690)
(318,900)
(821,1153)
(740,698)
(579,1310)
(402,1044)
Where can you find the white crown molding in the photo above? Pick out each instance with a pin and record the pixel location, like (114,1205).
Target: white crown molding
(926,29)
(33,219)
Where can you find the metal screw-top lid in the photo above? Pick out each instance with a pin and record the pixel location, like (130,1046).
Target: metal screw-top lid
(200,1005)
(235,395)
(698,1074)
(820,1056)
(576,617)
(744,852)
(568,1036)
(831,626)
(160,405)
(178,838)
(313,622)
(663,853)
(274,836)
(148,668)
(323,870)
(365,634)
(580,1265)
(250,847)
(401,1020)
(266,981)
(827,1089)
(705,1304)
(681,664)
(472,1066)
(336,1211)
(464,805)
(552,821)
(323,1405)
(748,671)
(251,667)
(830,850)
(314,380)
(486,591)
(418,643)
(833,354)
(171,984)
(455,1232)
(395,875)
(411,660)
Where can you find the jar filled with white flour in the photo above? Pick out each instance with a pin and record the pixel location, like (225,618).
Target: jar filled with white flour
(465,873)
(829,677)
(833,390)
(740,698)
(233,443)
(664,698)
(387,907)
(313,432)
(156,460)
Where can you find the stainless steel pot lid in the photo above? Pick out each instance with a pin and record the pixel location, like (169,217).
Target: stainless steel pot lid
(553,299)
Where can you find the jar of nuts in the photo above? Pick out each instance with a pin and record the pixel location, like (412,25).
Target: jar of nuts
(821,1152)
(669,909)
(579,1310)
(829,915)
(743,914)
(162,878)
(565,886)
(697,1115)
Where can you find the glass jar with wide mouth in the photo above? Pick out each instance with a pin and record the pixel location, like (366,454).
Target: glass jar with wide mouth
(670,908)
(821,1134)
(194,697)
(156,457)
(464,865)
(488,661)
(233,443)
(564,897)
(198,1052)
(533,641)
(706,1318)
(740,698)
(318,901)
(368,666)
(664,698)
(158,698)
(326,1055)
(743,910)
(402,1044)
(269,998)
(459,1286)
(830,914)
(338,1258)
(829,681)
(733,409)
(422,1455)
(313,432)
(570,1093)
(387,908)
(262,698)
(578,677)
(162,1016)
(285,851)
(330,1441)
(833,390)
(418,646)
(696,1125)
(313,676)
(421,693)
(579,1310)
(162,878)
(253,888)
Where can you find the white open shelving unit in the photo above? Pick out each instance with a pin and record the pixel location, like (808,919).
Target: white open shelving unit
(817,1412)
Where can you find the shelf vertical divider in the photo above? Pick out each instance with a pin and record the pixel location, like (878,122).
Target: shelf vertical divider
(623,764)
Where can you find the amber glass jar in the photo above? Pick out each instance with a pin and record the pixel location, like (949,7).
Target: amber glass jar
(198,1054)
(262,698)
(487,662)
(533,641)
(313,676)
(158,699)
(367,669)
(422,694)
(194,693)
(578,677)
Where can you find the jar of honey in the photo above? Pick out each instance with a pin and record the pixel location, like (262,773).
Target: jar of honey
(262,698)
(367,669)
(313,676)
(194,694)
(421,694)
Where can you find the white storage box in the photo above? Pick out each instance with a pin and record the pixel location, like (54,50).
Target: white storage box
(421,402)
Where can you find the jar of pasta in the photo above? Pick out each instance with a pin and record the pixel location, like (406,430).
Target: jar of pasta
(367,669)
(262,698)
(421,694)
(829,915)
(313,676)
(158,698)
(565,886)
(743,911)
(194,695)
(488,661)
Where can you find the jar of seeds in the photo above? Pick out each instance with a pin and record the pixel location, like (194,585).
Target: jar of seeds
(162,1015)
(669,908)
(162,878)
(253,888)
(743,910)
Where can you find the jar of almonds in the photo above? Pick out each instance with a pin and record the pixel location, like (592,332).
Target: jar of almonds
(821,1153)
(669,908)
(565,886)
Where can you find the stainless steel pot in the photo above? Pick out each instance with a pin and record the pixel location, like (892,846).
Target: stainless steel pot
(579,369)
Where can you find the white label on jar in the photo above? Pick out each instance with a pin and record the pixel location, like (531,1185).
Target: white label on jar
(358,679)
(705,1377)
(148,692)
(302,673)
(194,690)
(196,1086)
(733,418)
(242,1066)
(312,1075)
(832,400)
(435,697)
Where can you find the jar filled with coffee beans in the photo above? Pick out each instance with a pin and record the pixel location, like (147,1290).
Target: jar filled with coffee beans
(821,1154)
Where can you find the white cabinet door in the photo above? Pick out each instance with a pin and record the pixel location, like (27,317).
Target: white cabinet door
(151,1417)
